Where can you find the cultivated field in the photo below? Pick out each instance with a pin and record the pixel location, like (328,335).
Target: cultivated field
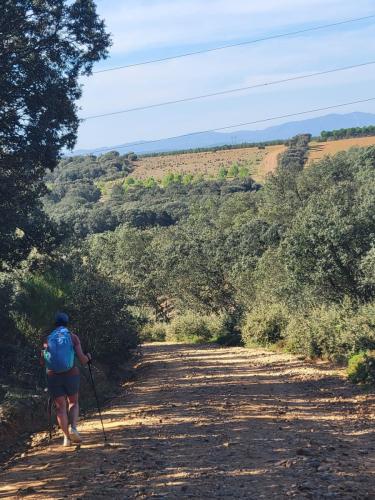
(320,149)
(258,161)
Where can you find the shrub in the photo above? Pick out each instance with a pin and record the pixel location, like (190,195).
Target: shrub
(334,332)
(97,307)
(193,327)
(189,327)
(19,361)
(216,326)
(154,332)
(223,173)
(100,317)
(361,368)
(265,325)
(301,336)
(225,329)
(316,333)
(233,170)
(39,297)
(359,334)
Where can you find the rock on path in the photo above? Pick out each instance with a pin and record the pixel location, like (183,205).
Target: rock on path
(206,422)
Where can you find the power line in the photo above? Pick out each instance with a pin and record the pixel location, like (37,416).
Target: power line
(232,91)
(227,127)
(239,44)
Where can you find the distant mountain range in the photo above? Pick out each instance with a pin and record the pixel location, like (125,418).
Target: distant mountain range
(312,126)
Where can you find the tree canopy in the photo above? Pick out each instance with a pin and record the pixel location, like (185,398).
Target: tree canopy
(46,45)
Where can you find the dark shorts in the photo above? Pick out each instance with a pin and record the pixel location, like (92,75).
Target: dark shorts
(63,385)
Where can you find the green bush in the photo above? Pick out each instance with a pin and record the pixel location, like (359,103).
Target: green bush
(40,297)
(97,307)
(101,318)
(361,368)
(299,338)
(19,362)
(154,332)
(225,329)
(316,333)
(196,328)
(359,334)
(334,332)
(189,327)
(233,170)
(265,325)
(216,324)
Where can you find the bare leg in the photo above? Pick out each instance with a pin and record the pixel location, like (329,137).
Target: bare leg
(73,410)
(61,413)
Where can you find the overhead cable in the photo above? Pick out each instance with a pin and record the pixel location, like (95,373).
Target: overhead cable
(231,91)
(228,127)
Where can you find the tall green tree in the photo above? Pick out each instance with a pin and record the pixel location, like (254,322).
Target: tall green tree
(45,47)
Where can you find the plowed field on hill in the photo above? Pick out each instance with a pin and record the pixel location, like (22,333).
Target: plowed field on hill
(209,163)
(320,149)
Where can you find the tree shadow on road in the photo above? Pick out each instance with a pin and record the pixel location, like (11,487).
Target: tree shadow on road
(215,423)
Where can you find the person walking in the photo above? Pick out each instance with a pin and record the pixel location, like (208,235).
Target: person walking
(60,350)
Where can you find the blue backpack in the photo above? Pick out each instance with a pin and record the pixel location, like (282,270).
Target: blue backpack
(59,355)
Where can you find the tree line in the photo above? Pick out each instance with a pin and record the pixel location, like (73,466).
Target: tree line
(347,133)
(289,262)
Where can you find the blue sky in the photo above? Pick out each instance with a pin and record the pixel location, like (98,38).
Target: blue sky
(148,29)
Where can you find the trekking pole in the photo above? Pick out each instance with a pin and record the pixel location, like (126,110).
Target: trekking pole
(49,404)
(49,413)
(97,400)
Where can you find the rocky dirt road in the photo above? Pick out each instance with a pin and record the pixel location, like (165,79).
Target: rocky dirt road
(207,422)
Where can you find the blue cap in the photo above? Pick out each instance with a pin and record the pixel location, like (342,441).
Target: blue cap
(62,318)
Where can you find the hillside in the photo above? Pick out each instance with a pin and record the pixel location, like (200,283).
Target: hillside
(258,161)
(313,126)
(320,149)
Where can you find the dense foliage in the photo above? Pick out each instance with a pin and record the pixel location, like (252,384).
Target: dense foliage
(289,263)
(45,46)
(346,133)
(361,368)
(292,262)
(106,167)
(85,205)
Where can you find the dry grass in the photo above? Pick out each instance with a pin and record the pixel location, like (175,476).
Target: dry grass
(319,150)
(258,161)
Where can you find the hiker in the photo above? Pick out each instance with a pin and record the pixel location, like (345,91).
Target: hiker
(58,356)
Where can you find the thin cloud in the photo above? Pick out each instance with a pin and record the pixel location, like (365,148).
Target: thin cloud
(217,71)
(162,24)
